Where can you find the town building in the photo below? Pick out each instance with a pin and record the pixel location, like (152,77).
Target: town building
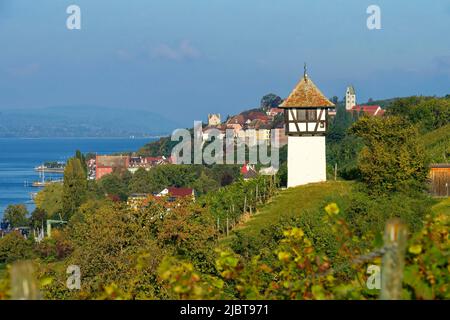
(107,164)
(174,193)
(214,119)
(350,98)
(375,111)
(273,112)
(248,172)
(146,162)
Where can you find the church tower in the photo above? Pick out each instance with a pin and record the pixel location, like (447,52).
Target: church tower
(350,98)
(306,113)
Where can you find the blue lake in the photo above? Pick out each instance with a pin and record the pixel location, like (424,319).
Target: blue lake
(19,157)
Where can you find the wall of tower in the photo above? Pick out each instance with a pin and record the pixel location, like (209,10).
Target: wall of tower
(306,160)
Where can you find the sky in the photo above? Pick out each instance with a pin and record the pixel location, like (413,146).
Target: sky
(184,59)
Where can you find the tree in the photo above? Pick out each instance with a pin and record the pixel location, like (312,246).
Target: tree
(14,247)
(50,199)
(140,182)
(393,158)
(38,218)
(114,186)
(82,159)
(335,100)
(270,101)
(74,187)
(429,113)
(16,215)
(109,242)
(205,184)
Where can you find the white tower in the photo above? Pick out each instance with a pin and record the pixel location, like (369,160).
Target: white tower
(350,98)
(306,113)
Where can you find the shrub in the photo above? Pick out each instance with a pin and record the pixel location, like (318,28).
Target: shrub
(14,247)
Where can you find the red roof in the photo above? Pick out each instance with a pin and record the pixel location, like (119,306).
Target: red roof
(276,110)
(371,110)
(255,115)
(180,192)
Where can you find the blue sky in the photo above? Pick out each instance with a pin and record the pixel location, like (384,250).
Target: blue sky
(186,58)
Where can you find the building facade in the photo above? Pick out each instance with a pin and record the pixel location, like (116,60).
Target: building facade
(214,119)
(350,98)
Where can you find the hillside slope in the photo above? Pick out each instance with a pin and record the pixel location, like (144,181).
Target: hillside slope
(437,143)
(265,226)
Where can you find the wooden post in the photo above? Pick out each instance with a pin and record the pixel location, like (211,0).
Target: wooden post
(395,238)
(335,171)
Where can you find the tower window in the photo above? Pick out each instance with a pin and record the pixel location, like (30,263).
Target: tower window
(301,115)
(312,115)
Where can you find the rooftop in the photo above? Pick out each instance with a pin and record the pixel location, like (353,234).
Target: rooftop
(306,95)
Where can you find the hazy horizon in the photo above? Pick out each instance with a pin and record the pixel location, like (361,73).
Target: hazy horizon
(184,59)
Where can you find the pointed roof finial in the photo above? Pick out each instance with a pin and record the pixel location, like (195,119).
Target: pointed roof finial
(305,74)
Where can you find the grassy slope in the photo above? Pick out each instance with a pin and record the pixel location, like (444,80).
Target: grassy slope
(437,143)
(442,207)
(291,203)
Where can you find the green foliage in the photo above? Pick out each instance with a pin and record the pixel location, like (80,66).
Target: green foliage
(107,243)
(367,213)
(299,270)
(80,156)
(4,282)
(74,187)
(205,184)
(428,112)
(55,248)
(162,147)
(427,268)
(49,199)
(231,202)
(270,101)
(393,158)
(114,186)
(437,143)
(342,148)
(16,215)
(38,218)
(15,247)
(294,207)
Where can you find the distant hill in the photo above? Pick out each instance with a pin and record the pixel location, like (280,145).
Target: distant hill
(82,121)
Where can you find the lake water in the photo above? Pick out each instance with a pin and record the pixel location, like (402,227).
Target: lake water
(19,157)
